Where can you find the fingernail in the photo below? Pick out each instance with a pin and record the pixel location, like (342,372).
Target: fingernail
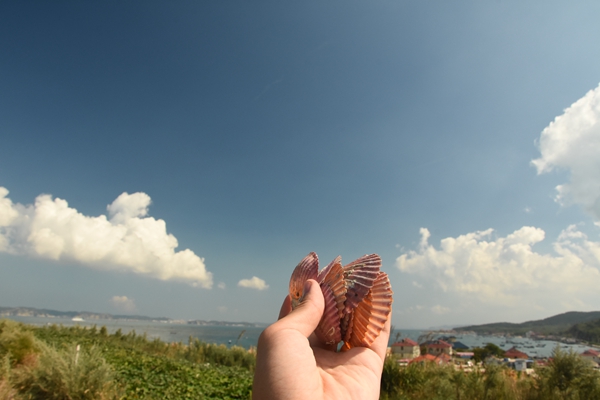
(306,287)
(305,291)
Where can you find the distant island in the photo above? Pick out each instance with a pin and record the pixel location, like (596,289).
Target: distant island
(86,315)
(574,324)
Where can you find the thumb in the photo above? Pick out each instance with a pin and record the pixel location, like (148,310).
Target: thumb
(307,315)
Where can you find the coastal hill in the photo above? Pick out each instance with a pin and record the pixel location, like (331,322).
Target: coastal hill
(86,315)
(44,313)
(558,324)
(588,331)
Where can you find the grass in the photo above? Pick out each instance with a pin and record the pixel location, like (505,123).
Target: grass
(57,362)
(72,363)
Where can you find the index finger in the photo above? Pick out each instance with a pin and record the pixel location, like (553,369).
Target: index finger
(286,307)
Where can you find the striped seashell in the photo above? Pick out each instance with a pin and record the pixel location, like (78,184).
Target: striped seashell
(306,269)
(334,294)
(358,299)
(370,316)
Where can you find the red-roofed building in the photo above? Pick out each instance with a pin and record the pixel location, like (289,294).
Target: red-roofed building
(406,349)
(444,358)
(439,360)
(437,347)
(514,353)
(592,355)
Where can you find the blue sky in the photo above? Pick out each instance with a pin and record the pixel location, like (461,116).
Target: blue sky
(180,158)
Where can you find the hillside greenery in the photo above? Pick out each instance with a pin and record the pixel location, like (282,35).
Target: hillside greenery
(56,362)
(587,331)
(567,376)
(556,325)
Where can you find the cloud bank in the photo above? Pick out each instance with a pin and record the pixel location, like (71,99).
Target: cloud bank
(572,142)
(253,283)
(123,303)
(128,239)
(506,271)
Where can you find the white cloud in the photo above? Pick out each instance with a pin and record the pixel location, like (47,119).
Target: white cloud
(438,309)
(253,283)
(128,239)
(417,284)
(123,303)
(222,309)
(572,142)
(221,285)
(506,271)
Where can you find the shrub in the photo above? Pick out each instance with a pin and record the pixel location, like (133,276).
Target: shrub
(67,374)
(201,352)
(567,376)
(16,342)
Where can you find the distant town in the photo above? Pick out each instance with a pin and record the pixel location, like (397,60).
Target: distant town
(87,316)
(447,350)
(442,347)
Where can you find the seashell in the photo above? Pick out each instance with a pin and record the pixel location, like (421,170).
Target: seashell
(334,279)
(370,316)
(358,299)
(360,275)
(328,330)
(306,269)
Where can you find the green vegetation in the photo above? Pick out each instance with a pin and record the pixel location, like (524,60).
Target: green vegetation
(490,349)
(58,362)
(587,331)
(567,376)
(75,363)
(558,324)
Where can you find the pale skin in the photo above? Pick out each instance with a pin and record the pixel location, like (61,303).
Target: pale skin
(291,364)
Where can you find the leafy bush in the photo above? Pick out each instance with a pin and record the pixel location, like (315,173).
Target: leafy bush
(124,366)
(490,349)
(201,352)
(567,376)
(66,374)
(16,342)
(6,390)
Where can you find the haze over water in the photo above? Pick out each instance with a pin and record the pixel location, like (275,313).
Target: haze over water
(228,335)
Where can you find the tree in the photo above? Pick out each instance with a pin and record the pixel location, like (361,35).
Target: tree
(490,349)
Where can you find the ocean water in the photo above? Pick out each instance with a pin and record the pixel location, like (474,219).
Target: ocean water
(167,332)
(248,336)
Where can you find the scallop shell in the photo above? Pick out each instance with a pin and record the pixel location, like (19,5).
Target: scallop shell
(370,316)
(328,330)
(334,279)
(306,269)
(360,276)
(334,294)
(358,298)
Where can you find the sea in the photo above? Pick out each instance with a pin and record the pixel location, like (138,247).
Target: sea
(247,336)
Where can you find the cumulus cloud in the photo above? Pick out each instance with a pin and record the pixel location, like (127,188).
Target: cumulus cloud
(123,303)
(221,285)
(253,283)
(128,239)
(507,270)
(572,142)
(438,309)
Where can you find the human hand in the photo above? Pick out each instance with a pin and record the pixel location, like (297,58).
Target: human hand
(292,364)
